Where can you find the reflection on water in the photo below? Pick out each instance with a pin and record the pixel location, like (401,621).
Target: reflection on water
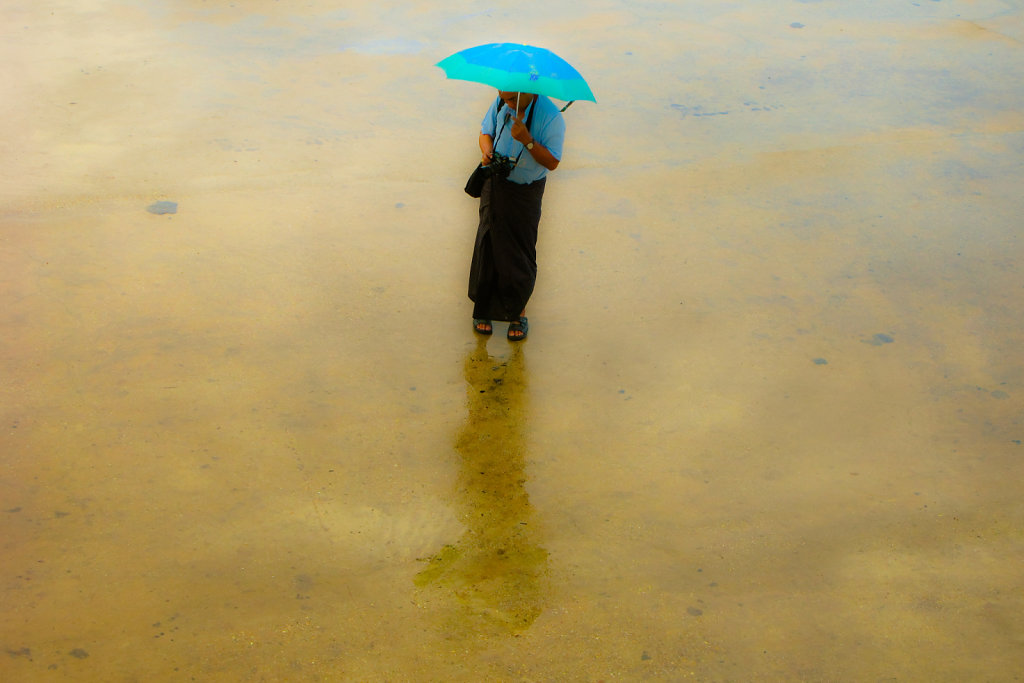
(493,571)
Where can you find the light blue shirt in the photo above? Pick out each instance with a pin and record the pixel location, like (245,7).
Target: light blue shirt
(547,128)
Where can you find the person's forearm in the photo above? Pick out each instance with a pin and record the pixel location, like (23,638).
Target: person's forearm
(543,156)
(487,147)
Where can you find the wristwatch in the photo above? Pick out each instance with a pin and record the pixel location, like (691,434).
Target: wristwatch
(529,145)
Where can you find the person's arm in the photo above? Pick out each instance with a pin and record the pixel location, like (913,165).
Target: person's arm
(487,147)
(541,154)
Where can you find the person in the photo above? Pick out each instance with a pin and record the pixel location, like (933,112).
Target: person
(525,131)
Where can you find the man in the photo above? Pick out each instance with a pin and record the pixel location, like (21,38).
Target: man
(527,130)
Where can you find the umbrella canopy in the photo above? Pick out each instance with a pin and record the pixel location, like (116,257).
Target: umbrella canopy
(518,68)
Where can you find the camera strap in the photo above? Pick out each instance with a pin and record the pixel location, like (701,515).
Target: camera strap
(529,120)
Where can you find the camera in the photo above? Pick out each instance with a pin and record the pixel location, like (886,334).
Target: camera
(500,165)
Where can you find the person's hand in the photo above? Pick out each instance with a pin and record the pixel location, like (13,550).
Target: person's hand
(519,130)
(487,157)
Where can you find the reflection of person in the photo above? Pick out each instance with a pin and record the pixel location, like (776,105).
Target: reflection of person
(527,131)
(495,569)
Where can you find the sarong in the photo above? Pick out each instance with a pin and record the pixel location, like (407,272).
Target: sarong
(504,267)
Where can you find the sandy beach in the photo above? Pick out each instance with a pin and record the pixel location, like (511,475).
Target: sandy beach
(767,425)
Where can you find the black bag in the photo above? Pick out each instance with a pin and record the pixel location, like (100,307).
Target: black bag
(475,184)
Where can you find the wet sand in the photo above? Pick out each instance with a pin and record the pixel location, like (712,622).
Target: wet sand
(767,425)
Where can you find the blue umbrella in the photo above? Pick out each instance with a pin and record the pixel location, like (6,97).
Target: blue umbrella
(518,68)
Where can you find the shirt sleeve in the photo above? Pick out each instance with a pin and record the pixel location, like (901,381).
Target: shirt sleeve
(553,136)
(487,125)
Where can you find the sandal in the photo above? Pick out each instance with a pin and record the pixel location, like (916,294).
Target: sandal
(520,326)
(481,326)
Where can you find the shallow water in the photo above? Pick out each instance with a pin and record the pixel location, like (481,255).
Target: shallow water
(767,425)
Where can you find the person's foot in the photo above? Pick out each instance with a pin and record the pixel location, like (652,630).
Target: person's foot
(517,329)
(481,326)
